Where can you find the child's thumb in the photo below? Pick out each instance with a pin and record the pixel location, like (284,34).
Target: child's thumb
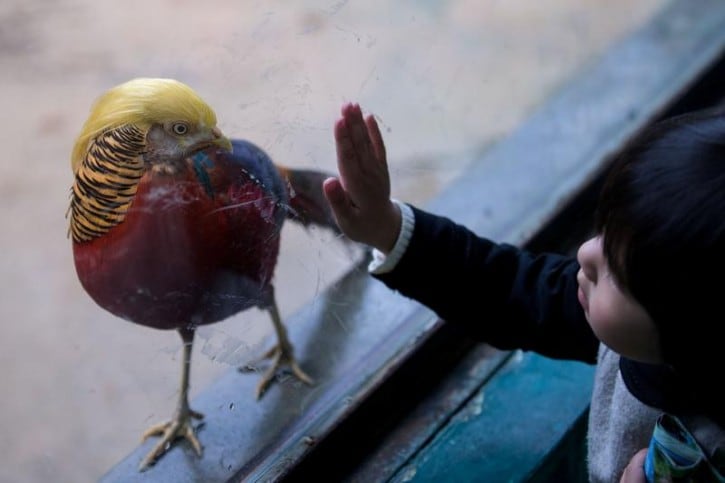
(337,198)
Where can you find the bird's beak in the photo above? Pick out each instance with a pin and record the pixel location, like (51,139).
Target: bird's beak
(221,140)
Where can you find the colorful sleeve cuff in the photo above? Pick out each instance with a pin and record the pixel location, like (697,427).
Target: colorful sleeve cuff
(382,263)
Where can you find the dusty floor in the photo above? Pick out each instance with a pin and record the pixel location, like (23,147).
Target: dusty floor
(445,79)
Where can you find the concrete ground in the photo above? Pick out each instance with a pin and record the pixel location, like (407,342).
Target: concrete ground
(445,78)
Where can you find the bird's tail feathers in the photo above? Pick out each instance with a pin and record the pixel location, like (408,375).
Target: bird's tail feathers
(308,205)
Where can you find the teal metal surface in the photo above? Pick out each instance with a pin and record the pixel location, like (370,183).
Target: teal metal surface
(512,428)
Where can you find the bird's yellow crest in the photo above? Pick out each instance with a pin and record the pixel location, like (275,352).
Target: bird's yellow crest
(141,102)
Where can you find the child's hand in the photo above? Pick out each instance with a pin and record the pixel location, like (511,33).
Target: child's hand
(634,472)
(360,198)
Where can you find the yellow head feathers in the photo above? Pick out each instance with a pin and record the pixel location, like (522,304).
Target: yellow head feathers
(142,102)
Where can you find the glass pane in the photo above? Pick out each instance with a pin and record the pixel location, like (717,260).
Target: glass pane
(446,79)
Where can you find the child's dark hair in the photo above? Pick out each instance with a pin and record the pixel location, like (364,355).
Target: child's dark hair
(662,218)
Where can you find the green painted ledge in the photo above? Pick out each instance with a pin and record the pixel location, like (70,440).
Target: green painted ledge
(525,424)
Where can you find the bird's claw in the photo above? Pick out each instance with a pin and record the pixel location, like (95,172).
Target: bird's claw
(280,356)
(179,427)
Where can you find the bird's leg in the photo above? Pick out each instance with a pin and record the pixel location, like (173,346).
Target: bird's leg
(180,425)
(280,354)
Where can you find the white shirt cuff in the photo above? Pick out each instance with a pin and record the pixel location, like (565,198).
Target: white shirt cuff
(382,263)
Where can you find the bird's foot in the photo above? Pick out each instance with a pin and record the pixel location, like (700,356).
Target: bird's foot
(179,427)
(280,355)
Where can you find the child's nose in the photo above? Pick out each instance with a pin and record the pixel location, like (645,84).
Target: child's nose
(586,256)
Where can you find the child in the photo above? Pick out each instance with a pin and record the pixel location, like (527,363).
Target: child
(642,299)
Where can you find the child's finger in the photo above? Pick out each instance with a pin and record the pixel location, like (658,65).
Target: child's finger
(337,198)
(377,139)
(347,159)
(359,136)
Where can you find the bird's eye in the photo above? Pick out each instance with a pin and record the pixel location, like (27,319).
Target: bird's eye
(180,128)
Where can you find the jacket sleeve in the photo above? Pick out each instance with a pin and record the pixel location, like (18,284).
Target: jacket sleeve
(505,296)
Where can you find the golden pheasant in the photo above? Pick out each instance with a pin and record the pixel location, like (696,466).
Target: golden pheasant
(174,226)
